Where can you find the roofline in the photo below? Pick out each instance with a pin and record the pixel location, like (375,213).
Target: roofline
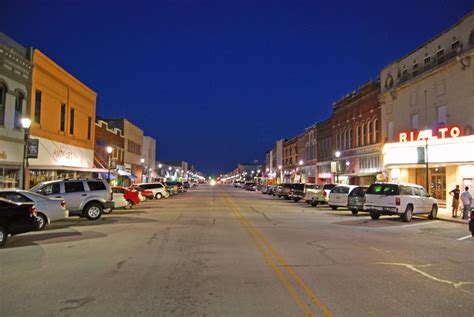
(431,40)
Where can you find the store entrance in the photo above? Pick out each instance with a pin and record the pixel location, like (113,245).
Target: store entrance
(437,177)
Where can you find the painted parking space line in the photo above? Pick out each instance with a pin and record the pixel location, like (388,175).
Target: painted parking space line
(419,224)
(465,238)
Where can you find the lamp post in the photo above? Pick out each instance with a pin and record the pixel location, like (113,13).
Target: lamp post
(337,154)
(300,163)
(25,123)
(109,150)
(281,173)
(142,160)
(426,135)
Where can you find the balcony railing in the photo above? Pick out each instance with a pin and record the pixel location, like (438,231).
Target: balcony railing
(438,61)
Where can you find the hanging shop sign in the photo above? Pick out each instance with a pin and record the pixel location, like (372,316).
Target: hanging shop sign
(441,133)
(32,148)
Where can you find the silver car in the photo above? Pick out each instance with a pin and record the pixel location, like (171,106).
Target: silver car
(84,198)
(47,209)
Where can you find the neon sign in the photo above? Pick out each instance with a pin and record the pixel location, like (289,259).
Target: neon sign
(443,133)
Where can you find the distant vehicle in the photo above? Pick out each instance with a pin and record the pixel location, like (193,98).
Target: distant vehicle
(356,199)
(84,198)
(248,185)
(158,189)
(172,187)
(125,198)
(278,190)
(272,189)
(404,200)
(144,194)
(264,189)
(285,190)
(298,191)
(318,196)
(47,209)
(186,186)
(338,196)
(16,218)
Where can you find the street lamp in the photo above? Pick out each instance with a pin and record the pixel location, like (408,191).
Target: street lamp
(300,163)
(109,150)
(337,154)
(142,160)
(281,173)
(427,134)
(25,123)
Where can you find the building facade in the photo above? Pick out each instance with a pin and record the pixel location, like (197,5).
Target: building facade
(63,116)
(356,125)
(15,83)
(428,113)
(290,159)
(310,154)
(133,145)
(149,154)
(325,152)
(110,137)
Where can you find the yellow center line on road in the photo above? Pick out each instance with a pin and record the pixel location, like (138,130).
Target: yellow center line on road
(274,259)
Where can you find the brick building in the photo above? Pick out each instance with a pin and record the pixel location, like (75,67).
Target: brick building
(325,151)
(290,159)
(113,137)
(356,125)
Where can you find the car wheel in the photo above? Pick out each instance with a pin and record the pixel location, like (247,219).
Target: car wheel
(158,196)
(354,212)
(333,207)
(314,203)
(406,217)
(3,237)
(434,212)
(42,221)
(93,211)
(374,215)
(166,195)
(129,204)
(296,200)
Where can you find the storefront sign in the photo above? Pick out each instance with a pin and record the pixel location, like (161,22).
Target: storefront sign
(33,148)
(442,133)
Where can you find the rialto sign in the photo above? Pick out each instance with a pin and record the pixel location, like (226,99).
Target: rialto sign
(442,133)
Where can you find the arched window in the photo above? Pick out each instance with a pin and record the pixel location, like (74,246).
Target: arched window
(349,138)
(363,138)
(18,110)
(358,136)
(369,132)
(376,130)
(3,94)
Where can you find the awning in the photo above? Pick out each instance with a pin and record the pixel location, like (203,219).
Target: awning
(106,175)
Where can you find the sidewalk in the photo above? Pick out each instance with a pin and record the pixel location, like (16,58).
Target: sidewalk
(446,215)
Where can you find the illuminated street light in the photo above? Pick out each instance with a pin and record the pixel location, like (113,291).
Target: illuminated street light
(337,154)
(25,123)
(109,150)
(300,162)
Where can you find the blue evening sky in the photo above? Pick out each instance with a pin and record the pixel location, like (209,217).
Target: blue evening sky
(217,82)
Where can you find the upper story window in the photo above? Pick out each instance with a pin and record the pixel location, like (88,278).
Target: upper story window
(18,110)
(358,135)
(455,45)
(349,138)
(62,123)
(369,132)
(440,53)
(363,135)
(376,130)
(89,128)
(3,93)
(427,60)
(38,96)
(71,123)
(414,122)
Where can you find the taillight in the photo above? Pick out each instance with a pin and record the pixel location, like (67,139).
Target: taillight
(32,210)
(397,201)
(324,193)
(63,204)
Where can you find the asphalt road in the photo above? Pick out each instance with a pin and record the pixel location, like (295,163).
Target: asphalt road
(221,251)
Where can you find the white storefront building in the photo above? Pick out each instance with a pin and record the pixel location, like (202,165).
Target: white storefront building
(428,113)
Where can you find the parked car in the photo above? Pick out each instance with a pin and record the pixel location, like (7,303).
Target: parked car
(158,189)
(356,199)
(264,189)
(248,185)
(16,218)
(84,197)
(319,196)
(144,194)
(171,187)
(47,209)
(404,200)
(297,192)
(285,191)
(338,196)
(186,186)
(277,190)
(125,198)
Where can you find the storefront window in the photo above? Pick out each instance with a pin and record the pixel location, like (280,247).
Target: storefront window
(38,176)
(9,176)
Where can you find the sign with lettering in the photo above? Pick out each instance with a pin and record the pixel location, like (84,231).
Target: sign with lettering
(32,148)
(442,133)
